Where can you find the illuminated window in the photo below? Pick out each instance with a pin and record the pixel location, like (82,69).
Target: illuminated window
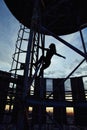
(69,110)
(49,109)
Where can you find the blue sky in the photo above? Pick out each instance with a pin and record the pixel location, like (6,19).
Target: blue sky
(8,33)
(59,67)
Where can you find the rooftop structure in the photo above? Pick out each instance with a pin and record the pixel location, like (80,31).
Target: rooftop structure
(59,16)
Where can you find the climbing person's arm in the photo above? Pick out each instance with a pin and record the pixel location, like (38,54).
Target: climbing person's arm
(60,55)
(45,49)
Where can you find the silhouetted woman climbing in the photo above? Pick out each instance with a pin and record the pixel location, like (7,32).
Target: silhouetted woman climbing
(46,60)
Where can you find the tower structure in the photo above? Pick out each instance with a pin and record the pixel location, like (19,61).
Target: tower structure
(39,18)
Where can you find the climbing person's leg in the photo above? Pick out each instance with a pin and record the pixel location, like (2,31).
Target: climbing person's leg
(39,61)
(44,66)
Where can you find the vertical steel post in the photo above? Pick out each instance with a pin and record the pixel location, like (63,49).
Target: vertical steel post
(26,70)
(83,43)
(34,19)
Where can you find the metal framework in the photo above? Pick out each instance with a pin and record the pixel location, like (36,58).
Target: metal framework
(27,46)
(13,116)
(27,69)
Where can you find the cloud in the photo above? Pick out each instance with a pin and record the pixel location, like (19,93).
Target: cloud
(49,73)
(81,71)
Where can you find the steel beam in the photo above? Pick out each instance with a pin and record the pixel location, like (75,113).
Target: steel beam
(64,42)
(53,103)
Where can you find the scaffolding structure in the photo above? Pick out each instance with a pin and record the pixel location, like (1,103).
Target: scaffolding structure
(27,90)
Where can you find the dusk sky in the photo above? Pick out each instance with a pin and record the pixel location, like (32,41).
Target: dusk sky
(59,67)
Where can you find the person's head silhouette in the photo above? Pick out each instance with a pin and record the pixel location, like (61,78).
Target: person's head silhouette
(52,47)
